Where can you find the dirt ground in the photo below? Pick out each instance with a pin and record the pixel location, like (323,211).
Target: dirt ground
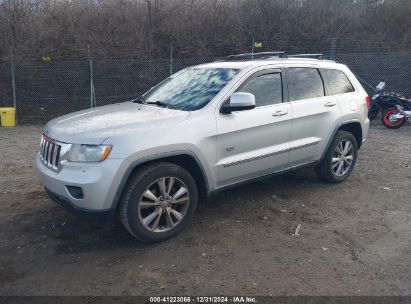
(355,237)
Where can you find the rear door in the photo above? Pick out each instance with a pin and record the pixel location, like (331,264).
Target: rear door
(255,142)
(338,85)
(314,114)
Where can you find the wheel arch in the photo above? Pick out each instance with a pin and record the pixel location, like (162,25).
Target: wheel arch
(185,159)
(354,127)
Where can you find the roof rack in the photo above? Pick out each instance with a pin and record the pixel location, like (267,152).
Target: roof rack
(314,56)
(260,55)
(270,55)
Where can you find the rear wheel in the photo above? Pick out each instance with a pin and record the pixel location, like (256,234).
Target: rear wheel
(159,200)
(340,158)
(390,120)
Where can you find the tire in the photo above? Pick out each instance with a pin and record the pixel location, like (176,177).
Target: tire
(145,209)
(329,168)
(385,119)
(373,112)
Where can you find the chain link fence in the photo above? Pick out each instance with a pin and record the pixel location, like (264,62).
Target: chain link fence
(45,89)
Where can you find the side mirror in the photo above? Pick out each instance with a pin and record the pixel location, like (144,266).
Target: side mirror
(381,86)
(239,101)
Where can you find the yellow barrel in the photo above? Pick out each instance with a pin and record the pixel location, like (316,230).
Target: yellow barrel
(8,117)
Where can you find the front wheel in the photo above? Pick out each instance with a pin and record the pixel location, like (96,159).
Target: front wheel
(340,158)
(390,119)
(159,201)
(373,112)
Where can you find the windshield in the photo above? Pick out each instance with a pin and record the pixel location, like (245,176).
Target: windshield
(190,89)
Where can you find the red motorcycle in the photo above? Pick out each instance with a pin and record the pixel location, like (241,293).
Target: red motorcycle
(395,108)
(395,118)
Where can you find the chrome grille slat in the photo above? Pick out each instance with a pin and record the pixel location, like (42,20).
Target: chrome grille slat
(58,155)
(43,148)
(46,151)
(54,159)
(43,151)
(50,152)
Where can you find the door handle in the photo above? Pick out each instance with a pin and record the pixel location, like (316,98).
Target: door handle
(280,113)
(330,103)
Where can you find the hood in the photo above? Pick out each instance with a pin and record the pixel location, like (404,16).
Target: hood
(94,125)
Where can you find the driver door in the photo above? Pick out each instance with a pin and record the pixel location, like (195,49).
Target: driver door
(256,142)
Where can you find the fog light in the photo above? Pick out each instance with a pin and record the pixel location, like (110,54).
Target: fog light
(75,192)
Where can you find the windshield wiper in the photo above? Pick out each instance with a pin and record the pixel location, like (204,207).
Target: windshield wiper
(139,99)
(162,104)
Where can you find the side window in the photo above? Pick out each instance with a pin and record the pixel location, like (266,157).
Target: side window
(266,88)
(336,82)
(304,83)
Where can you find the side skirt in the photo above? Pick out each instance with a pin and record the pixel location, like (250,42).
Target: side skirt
(236,184)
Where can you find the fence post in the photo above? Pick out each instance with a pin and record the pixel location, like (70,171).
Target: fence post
(252,49)
(171,58)
(13,80)
(333,48)
(93,102)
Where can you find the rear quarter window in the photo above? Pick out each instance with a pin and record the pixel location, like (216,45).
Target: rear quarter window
(304,83)
(336,82)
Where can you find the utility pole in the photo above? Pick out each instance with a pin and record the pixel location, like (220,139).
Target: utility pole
(171,58)
(13,80)
(93,102)
(333,49)
(252,50)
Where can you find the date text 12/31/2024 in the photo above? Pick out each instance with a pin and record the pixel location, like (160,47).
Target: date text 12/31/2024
(203,299)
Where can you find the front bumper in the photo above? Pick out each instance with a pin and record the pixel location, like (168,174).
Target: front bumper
(99,183)
(101,216)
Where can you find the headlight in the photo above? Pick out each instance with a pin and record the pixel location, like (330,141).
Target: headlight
(88,153)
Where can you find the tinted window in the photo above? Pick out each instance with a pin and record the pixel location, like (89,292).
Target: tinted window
(190,89)
(336,82)
(267,89)
(304,83)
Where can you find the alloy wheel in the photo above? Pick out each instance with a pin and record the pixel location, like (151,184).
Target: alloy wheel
(163,204)
(343,157)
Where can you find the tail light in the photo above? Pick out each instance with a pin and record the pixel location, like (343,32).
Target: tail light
(368,101)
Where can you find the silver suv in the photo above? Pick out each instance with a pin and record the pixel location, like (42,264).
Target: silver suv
(202,130)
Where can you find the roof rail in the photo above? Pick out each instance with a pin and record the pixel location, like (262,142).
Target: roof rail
(260,55)
(314,56)
(270,55)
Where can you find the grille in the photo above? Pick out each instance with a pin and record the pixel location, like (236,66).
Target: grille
(50,152)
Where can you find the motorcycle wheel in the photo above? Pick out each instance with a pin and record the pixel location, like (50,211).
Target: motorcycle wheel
(390,123)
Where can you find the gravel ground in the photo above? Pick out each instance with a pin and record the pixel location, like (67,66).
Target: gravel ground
(355,237)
